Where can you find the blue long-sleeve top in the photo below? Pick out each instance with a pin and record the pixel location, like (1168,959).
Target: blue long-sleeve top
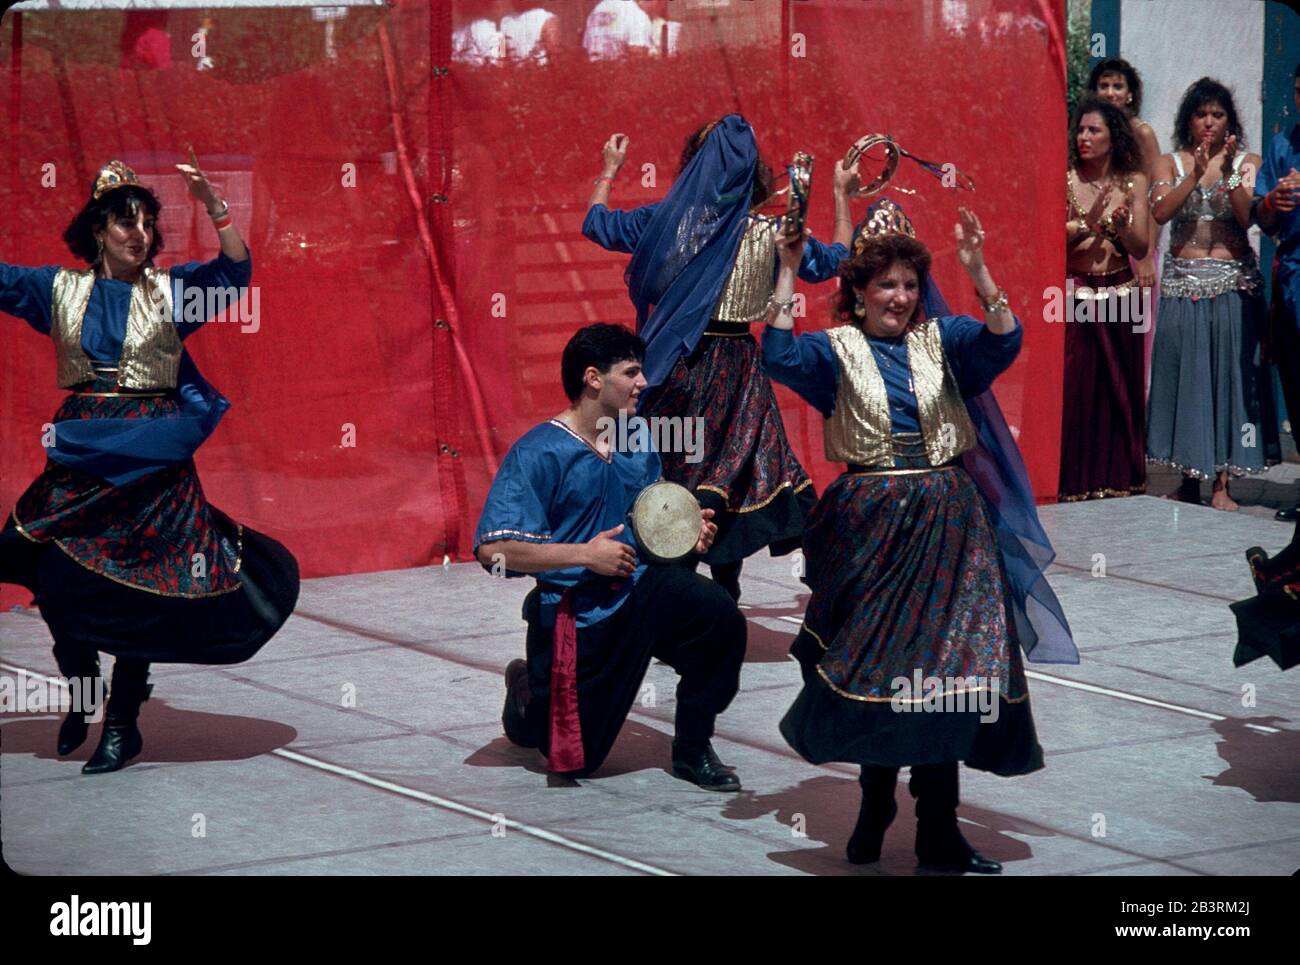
(618,230)
(28,293)
(807,364)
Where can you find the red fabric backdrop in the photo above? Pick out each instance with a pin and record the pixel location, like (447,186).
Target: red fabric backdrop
(415,221)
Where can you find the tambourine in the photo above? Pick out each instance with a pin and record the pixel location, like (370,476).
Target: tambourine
(893,152)
(796,210)
(860,147)
(666,520)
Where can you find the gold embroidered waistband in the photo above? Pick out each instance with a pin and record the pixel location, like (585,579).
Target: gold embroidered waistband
(124,395)
(867,471)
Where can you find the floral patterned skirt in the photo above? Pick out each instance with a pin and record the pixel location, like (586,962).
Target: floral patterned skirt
(745,470)
(148,569)
(907,585)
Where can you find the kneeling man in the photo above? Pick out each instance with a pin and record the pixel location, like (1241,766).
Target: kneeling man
(599,614)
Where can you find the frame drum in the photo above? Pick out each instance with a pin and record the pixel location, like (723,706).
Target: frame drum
(666,520)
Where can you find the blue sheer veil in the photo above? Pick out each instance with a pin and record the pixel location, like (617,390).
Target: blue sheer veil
(686,252)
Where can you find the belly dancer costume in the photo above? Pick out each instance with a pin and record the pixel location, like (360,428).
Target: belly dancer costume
(115,537)
(1211,406)
(1103,424)
(702,270)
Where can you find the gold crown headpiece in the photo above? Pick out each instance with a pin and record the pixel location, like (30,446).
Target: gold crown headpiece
(112,175)
(884,218)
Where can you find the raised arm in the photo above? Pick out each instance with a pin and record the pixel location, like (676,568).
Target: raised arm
(804,363)
(232,245)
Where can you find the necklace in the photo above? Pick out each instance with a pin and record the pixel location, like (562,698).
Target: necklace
(884,352)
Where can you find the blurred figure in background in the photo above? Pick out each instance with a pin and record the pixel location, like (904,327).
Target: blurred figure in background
(1116,80)
(617,28)
(531,34)
(478,42)
(1277,194)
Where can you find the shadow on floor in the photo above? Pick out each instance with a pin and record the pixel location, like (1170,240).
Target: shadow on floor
(1265,765)
(171,736)
(826,809)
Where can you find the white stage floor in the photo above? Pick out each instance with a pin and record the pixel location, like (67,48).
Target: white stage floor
(1154,765)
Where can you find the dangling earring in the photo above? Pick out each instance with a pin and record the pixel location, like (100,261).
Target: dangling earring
(860,309)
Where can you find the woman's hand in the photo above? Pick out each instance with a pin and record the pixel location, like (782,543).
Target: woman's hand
(708,532)
(614,153)
(970,241)
(1229,152)
(198,184)
(846,180)
(1145,272)
(1201,159)
(789,248)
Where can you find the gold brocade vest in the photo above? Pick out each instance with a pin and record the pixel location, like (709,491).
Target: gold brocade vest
(151,347)
(749,286)
(858,431)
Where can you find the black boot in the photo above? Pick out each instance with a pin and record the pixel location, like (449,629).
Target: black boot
(875,815)
(939,843)
(1189,490)
(514,715)
(73,730)
(696,762)
(121,739)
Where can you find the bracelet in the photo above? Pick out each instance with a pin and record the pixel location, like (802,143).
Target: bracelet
(222,223)
(225,210)
(1233,182)
(995,304)
(782,308)
(603,177)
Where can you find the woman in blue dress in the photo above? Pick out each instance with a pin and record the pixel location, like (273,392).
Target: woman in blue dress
(923,556)
(701,273)
(115,538)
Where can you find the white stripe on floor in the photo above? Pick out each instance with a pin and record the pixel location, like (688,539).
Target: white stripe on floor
(446,804)
(1108,692)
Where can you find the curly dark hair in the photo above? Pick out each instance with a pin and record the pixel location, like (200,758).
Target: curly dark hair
(601,345)
(877,257)
(124,203)
(1207,90)
(1125,152)
(1118,65)
(762,186)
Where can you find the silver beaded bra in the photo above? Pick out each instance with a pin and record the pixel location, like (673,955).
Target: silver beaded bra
(1206,217)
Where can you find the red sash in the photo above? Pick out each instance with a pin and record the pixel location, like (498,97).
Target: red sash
(565,746)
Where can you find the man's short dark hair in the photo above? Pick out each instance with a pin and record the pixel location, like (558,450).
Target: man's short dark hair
(602,346)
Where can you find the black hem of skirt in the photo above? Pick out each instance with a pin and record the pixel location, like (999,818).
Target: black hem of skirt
(85,610)
(823,727)
(778,526)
